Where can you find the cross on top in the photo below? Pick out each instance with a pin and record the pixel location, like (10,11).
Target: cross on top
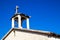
(17,9)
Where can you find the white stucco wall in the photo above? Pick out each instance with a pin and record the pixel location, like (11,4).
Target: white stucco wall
(27,36)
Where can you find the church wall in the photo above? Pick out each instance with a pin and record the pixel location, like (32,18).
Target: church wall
(28,36)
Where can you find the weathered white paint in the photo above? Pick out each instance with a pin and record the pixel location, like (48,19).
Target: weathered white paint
(52,38)
(19,21)
(28,36)
(27,23)
(12,22)
(11,36)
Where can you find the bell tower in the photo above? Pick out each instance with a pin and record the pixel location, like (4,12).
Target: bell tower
(19,18)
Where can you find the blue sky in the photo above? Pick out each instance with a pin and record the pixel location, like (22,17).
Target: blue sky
(45,14)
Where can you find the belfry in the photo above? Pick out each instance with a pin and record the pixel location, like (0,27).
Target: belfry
(19,18)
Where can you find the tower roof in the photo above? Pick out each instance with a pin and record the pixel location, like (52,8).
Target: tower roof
(21,14)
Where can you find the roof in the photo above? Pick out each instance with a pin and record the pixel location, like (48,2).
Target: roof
(46,33)
(23,15)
